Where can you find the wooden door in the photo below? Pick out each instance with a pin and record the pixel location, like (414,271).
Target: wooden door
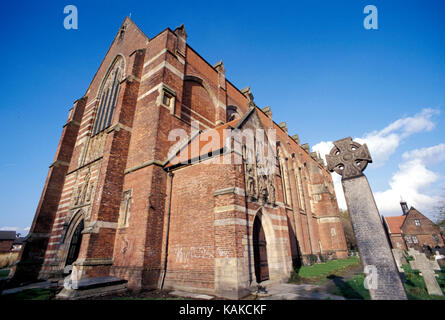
(76,240)
(260,252)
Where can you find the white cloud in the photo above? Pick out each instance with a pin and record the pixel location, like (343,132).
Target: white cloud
(9,228)
(22,231)
(431,155)
(382,144)
(411,182)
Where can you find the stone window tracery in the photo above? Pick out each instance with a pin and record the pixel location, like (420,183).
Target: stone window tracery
(108,96)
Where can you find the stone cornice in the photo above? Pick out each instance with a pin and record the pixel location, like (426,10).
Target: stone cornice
(145,164)
(59,163)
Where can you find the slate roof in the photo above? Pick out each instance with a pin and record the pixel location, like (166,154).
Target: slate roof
(204,141)
(7,235)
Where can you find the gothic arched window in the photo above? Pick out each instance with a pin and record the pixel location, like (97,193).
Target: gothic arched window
(108,96)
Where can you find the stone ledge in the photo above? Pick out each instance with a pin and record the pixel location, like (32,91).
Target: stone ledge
(71,122)
(229,190)
(143,165)
(93,262)
(58,163)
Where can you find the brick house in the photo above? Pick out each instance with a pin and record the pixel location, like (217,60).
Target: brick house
(7,239)
(121,198)
(412,230)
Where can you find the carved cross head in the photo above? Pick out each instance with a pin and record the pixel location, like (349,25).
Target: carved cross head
(348,158)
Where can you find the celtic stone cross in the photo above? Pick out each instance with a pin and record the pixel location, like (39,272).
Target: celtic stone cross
(349,158)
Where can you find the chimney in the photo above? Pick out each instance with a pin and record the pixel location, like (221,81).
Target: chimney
(404,207)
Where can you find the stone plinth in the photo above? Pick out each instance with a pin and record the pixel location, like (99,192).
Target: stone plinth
(91,287)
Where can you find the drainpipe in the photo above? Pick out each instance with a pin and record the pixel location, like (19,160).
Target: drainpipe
(164,269)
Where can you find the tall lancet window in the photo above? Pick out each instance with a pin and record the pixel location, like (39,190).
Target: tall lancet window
(108,96)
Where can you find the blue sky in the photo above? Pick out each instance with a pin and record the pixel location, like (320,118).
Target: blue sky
(313,62)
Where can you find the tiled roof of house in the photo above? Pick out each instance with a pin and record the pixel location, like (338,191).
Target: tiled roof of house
(394,223)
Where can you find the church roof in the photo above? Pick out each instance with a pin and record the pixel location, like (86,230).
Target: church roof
(394,223)
(206,144)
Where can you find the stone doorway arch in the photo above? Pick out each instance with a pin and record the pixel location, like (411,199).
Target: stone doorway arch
(279,262)
(75,242)
(260,251)
(69,248)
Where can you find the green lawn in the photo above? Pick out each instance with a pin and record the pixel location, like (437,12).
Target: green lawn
(30,294)
(4,273)
(353,288)
(319,273)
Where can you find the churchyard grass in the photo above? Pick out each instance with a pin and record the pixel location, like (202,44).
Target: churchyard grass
(31,294)
(319,272)
(415,285)
(353,288)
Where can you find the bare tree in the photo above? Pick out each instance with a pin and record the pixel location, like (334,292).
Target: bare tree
(439,213)
(349,232)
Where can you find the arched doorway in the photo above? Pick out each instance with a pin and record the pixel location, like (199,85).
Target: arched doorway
(260,251)
(74,248)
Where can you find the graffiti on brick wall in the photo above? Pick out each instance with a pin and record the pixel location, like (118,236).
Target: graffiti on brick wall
(224,253)
(184,254)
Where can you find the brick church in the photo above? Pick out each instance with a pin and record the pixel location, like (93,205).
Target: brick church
(125,199)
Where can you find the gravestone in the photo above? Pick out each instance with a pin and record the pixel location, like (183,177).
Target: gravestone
(349,159)
(426,267)
(399,256)
(440,256)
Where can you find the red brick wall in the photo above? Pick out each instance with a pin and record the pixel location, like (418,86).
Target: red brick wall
(397,241)
(5,245)
(196,98)
(191,245)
